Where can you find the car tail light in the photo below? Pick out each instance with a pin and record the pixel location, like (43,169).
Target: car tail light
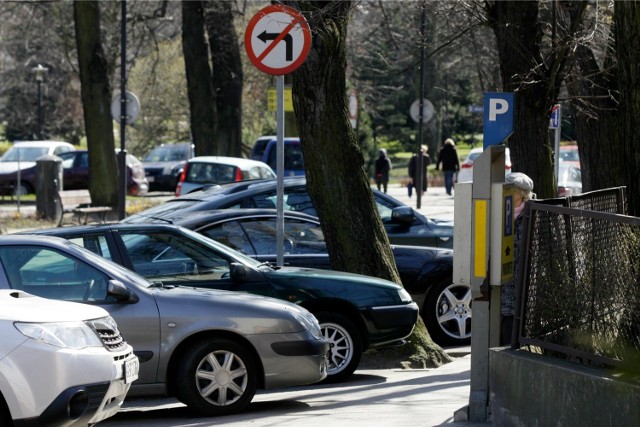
(466,165)
(183,176)
(564,191)
(238,174)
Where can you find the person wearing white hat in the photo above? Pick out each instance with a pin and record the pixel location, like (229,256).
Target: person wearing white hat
(523,191)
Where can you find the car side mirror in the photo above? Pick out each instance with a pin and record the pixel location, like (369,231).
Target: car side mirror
(238,272)
(120,292)
(241,273)
(403,215)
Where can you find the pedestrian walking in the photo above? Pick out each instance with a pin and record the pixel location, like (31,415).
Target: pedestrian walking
(413,169)
(450,161)
(383,166)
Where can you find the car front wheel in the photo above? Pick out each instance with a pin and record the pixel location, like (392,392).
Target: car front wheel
(346,345)
(447,314)
(216,377)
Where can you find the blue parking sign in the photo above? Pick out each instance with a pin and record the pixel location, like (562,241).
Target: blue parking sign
(498,117)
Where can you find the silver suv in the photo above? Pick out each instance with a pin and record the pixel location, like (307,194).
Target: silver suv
(61,363)
(211,349)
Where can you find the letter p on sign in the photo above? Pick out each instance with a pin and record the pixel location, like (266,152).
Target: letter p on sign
(498,117)
(497,106)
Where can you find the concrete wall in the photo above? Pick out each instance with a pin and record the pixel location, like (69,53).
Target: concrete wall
(534,390)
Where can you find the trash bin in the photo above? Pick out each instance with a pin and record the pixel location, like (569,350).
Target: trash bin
(48,182)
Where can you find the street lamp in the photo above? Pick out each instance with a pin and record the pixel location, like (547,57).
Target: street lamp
(40,72)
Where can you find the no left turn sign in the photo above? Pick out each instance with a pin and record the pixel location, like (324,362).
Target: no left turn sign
(277,39)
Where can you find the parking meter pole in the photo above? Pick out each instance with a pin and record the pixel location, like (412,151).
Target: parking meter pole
(280,171)
(487,170)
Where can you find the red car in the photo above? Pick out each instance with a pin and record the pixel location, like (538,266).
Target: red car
(75,166)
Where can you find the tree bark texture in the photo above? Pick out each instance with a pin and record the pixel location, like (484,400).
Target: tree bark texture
(199,84)
(227,76)
(627,25)
(336,179)
(96,102)
(334,163)
(594,94)
(536,83)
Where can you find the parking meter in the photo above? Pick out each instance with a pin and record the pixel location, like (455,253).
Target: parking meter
(483,258)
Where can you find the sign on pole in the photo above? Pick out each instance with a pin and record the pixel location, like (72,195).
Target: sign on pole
(498,117)
(427,111)
(277,39)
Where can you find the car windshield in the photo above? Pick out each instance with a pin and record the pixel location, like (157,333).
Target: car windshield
(569,155)
(168,153)
(24,154)
(472,156)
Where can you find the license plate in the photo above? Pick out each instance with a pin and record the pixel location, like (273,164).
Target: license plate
(131,368)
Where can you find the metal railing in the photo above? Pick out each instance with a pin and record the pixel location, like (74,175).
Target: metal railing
(580,276)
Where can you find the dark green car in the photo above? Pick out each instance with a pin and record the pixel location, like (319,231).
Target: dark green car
(355,312)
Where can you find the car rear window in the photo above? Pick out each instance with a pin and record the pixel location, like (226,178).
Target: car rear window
(210,173)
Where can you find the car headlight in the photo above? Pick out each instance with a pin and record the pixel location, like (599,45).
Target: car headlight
(404,295)
(74,335)
(309,322)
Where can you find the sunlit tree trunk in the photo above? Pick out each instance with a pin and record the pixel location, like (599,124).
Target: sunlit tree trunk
(96,103)
(334,163)
(199,84)
(226,76)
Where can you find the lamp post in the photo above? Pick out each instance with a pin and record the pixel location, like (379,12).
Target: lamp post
(40,72)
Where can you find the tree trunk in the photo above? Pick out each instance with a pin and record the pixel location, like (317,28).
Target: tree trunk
(199,85)
(227,76)
(96,103)
(515,25)
(336,178)
(536,82)
(596,118)
(627,26)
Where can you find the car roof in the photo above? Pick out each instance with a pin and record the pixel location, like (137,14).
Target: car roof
(215,215)
(234,161)
(240,186)
(40,144)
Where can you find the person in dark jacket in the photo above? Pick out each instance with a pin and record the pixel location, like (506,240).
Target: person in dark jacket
(414,170)
(383,166)
(448,157)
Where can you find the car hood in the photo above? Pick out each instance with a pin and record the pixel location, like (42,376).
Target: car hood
(198,307)
(304,276)
(11,167)
(24,307)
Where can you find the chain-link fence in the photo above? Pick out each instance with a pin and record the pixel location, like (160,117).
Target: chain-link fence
(580,275)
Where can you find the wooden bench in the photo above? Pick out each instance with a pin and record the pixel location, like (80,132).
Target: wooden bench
(78,203)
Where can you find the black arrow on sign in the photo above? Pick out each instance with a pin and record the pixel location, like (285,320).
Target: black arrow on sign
(264,36)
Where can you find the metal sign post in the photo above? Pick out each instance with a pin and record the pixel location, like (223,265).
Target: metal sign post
(277,41)
(554,123)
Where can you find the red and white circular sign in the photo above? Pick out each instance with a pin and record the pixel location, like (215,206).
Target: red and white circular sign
(277,39)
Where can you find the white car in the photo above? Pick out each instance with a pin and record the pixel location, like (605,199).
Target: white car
(201,171)
(61,363)
(465,174)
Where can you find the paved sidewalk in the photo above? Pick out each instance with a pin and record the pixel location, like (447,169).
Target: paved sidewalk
(435,203)
(370,398)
